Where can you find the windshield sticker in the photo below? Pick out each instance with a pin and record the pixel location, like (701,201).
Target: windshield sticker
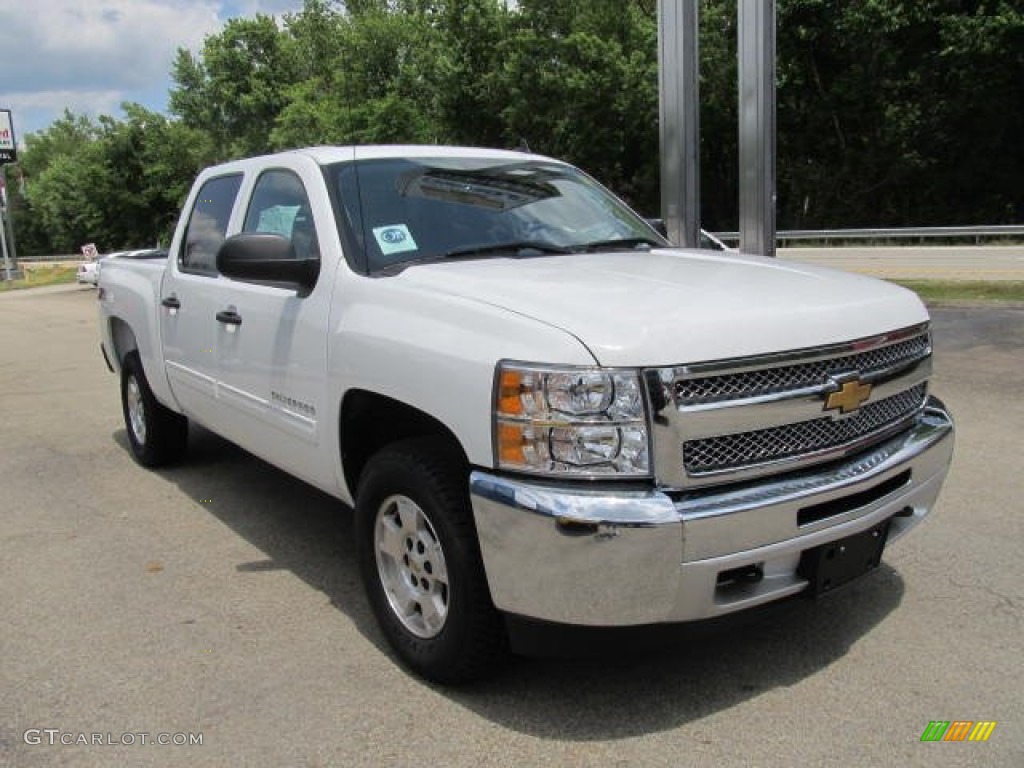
(395,238)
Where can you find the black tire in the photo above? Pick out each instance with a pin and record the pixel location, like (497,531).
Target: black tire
(157,435)
(432,475)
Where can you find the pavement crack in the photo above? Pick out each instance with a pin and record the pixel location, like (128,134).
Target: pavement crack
(1004,603)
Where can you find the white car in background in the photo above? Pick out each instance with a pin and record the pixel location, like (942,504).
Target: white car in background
(88,272)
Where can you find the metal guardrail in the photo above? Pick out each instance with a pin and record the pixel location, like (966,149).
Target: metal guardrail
(891,233)
(60,257)
(77,256)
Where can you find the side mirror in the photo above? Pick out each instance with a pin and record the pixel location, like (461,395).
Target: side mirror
(263,257)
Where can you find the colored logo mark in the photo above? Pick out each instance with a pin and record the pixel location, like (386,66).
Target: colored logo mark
(850,395)
(392,235)
(958,730)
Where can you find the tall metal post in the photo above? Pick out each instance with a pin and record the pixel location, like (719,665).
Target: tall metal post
(679,111)
(13,245)
(5,195)
(757,126)
(3,243)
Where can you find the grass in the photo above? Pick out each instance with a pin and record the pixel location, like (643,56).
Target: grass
(38,276)
(973,291)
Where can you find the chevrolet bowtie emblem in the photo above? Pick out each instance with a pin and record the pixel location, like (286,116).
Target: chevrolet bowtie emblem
(850,395)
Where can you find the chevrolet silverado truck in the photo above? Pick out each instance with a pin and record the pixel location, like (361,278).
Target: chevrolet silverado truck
(536,406)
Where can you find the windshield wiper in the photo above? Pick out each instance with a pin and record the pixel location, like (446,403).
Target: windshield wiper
(517,247)
(621,243)
(521,248)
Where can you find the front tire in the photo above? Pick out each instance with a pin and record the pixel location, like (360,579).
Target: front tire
(421,565)
(157,435)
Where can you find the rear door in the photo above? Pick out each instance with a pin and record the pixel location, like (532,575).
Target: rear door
(189,295)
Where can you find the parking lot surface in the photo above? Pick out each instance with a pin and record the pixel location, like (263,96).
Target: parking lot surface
(221,599)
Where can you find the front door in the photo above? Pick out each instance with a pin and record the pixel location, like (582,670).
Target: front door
(271,341)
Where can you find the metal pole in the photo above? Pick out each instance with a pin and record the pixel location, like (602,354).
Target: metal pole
(10,218)
(679,112)
(757,126)
(3,243)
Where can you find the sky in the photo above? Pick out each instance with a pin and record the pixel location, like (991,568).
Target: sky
(90,55)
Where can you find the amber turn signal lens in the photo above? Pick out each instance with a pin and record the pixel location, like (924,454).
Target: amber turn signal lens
(510,444)
(510,386)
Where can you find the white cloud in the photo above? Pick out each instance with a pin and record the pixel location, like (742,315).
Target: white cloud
(90,55)
(70,44)
(34,110)
(249,8)
(89,102)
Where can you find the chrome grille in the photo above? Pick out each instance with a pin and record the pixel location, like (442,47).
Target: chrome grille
(766,381)
(804,438)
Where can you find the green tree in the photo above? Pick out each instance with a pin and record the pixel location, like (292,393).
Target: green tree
(118,183)
(463,70)
(371,90)
(150,162)
(899,113)
(580,81)
(66,136)
(235,90)
(65,199)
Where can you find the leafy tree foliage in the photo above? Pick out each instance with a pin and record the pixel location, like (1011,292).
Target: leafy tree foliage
(236,89)
(117,183)
(889,113)
(899,113)
(368,89)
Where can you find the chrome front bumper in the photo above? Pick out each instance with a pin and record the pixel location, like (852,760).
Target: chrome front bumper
(630,557)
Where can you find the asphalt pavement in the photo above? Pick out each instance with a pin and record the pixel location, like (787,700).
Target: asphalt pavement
(220,600)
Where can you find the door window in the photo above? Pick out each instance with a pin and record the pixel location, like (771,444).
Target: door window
(280,206)
(208,224)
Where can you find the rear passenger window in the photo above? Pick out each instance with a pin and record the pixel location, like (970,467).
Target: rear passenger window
(208,224)
(280,206)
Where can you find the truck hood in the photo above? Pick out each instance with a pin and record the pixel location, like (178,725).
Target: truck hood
(670,307)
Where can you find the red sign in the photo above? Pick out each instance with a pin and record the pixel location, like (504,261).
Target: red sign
(8,146)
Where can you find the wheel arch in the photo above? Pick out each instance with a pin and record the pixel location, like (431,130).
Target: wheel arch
(369,421)
(123,339)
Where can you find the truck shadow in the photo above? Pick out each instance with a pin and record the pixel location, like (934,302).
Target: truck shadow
(595,686)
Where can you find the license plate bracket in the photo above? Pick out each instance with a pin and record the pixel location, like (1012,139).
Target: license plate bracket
(839,562)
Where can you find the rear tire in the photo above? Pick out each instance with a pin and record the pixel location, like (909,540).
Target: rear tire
(420,562)
(157,435)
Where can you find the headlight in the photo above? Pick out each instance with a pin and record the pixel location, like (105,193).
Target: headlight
(570,421)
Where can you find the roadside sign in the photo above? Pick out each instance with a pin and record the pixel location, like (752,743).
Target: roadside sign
(89,251)
(8,147)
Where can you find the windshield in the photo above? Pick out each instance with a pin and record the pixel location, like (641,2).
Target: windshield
(396,212)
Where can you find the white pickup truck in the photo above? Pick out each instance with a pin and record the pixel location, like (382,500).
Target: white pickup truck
(537,407)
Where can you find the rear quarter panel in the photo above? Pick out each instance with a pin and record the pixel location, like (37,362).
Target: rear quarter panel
(129,316)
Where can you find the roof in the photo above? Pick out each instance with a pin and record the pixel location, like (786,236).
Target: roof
(325,155)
